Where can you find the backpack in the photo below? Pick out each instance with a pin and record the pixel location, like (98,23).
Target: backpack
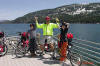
(69,35)
(24,36)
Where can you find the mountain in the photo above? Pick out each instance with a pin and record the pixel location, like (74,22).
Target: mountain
(5,21)
(74,13)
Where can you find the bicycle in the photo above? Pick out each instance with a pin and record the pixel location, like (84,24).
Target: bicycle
(11,44)
(22,46)
(3,46)
(74,58)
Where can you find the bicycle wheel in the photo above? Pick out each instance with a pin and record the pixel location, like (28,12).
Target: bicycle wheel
(75,59)
(5,49)
(56,54)
(38,50)
(20,51)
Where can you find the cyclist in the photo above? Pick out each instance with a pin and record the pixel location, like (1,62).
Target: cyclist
(47,30)
(32,42)
(63,40)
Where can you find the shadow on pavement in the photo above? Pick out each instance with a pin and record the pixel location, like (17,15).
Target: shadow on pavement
(55,62)
(64,64)
(51,62)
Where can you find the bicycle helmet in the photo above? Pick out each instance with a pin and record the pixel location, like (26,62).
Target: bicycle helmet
(24,34)
(69,35)
(47,18)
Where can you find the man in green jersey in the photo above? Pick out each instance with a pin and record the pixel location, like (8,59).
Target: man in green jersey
(47,30)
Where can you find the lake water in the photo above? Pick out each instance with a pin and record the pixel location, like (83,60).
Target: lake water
(83,31)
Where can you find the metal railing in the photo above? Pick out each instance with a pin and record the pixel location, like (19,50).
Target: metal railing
(87,50)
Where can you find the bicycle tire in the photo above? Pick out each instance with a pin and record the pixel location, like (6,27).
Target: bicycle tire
(56,54)
(39,52)
(20,51)
(6,50)
(75,59)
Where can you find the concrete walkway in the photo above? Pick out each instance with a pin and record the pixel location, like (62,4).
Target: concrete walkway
(9,60)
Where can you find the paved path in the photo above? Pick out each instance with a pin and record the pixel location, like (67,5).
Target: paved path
(9,60)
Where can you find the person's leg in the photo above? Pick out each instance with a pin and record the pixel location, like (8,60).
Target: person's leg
(32,46)
(51,47)
(35,44)
(63,51)
(42,47)
(51,41)
(42,43)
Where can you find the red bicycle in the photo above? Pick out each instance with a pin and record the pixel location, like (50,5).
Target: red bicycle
(23,45)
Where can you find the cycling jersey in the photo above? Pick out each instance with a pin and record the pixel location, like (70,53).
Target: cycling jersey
(47,28)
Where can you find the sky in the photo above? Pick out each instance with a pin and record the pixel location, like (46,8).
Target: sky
(12,9)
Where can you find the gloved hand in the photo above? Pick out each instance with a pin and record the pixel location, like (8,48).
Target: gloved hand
(57,20)
(36,19)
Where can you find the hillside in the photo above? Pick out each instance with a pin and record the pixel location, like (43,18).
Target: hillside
(74,13)
(5,21)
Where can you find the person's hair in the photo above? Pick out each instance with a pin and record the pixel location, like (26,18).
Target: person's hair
(64,24)
(33,25)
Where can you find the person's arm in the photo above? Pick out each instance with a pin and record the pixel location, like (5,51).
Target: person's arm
(66,30)
(68,25)
(57,21)
(38,25)
(56,25)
